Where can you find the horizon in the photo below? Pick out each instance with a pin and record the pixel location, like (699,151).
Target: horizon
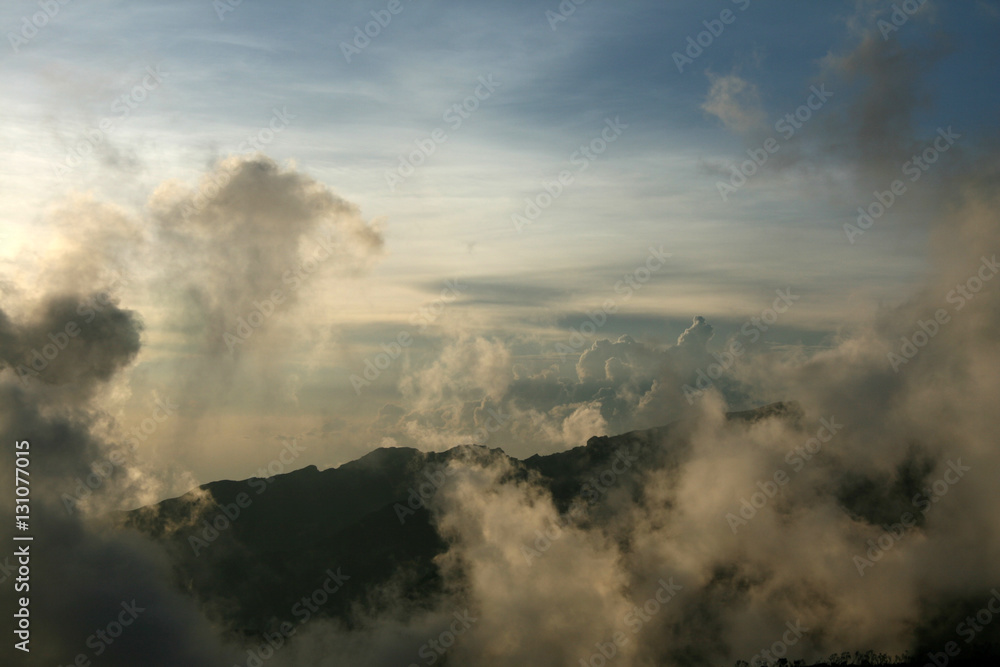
(649,240)
(242,237)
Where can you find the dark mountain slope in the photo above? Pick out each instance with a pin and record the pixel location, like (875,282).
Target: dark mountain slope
(250,550)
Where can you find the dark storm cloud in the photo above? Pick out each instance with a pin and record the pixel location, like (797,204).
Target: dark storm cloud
(71,340)
(83,570)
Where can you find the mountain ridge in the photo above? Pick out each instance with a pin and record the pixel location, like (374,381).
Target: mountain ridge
(241,545)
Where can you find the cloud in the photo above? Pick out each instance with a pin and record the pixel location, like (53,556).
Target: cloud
(697,335)
(708,509)
(67,358)
(90,568)
(544,607)
(71,340)
(472,392)
(736,102)
(822,548)
(252,229)
(879,122)
(476,366)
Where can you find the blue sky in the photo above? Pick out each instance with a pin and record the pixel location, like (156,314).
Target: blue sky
(225,74)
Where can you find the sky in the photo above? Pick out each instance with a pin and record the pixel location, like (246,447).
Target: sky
(493,173)
(239,238)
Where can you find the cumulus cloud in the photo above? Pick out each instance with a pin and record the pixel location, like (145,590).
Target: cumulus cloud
(499,532)
(249,230)
(846,524)
(472,392)
(67,354)
(780,522)
(789,520)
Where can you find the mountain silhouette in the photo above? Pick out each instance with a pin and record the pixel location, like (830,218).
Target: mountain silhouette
(249,550)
